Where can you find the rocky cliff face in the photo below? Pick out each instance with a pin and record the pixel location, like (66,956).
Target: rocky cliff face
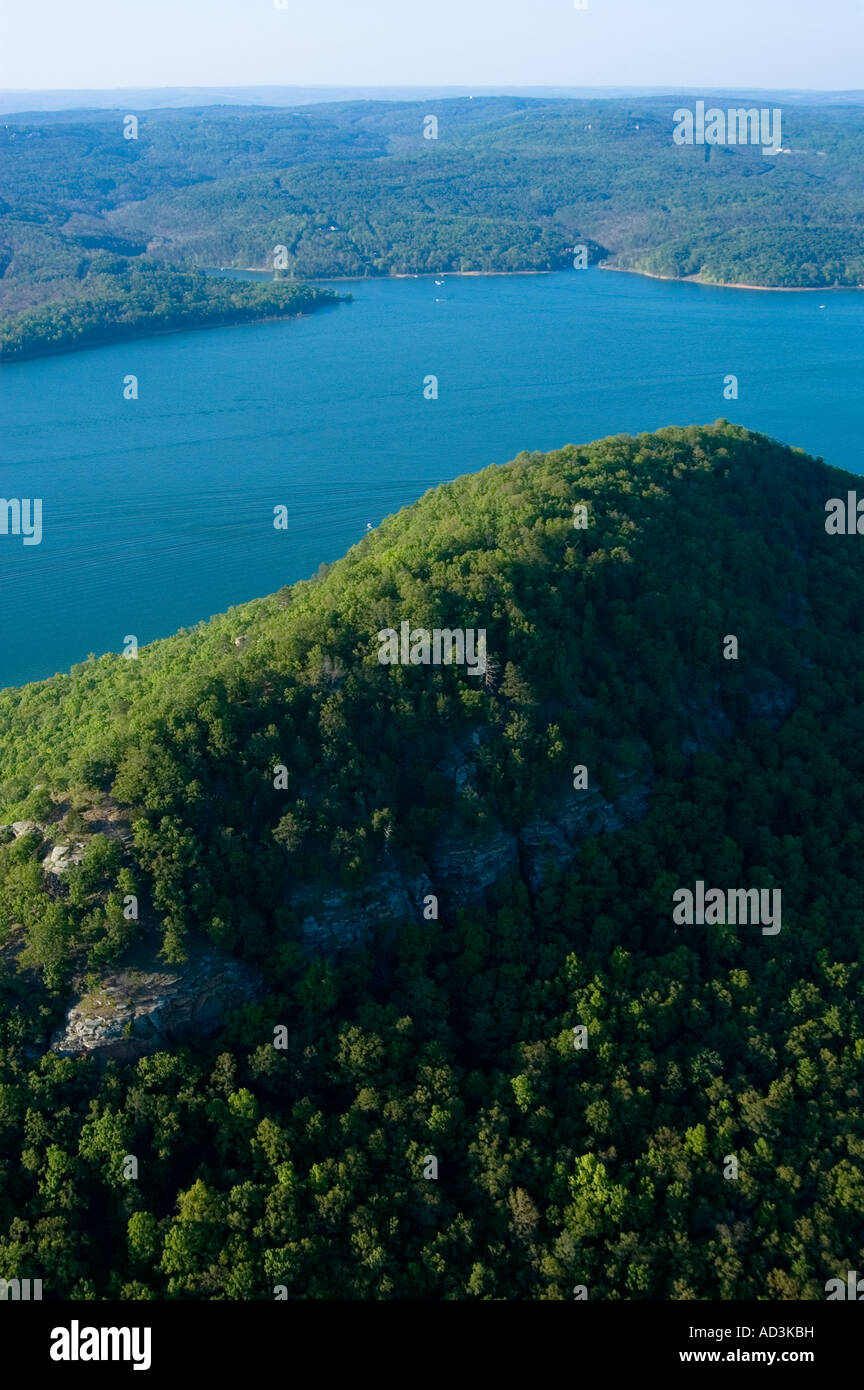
(459,871)
(137,1012)
(134,1012)
(335,918)
(60,857)
(553,837)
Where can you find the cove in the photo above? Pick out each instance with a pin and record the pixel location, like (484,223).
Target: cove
(158,512)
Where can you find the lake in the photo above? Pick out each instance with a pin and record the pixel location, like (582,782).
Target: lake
(158,512)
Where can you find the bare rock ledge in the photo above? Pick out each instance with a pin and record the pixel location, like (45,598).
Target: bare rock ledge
(133,1012)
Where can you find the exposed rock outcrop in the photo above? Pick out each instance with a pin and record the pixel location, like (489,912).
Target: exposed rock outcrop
(136,1012)
(63,857)
(709,725)
(339,918)
(553,839)
(24,827)
(460,868)
(464,869)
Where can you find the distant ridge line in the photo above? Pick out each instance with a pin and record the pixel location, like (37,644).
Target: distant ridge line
(18,101)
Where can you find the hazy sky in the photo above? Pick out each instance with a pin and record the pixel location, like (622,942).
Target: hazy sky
(666,43)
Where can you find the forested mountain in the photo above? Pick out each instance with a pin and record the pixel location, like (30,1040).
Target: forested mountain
(276,799)
(355,189)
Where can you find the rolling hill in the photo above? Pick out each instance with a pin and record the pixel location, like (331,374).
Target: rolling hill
(436,905)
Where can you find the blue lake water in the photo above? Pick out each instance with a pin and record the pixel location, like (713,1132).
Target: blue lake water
(159,512)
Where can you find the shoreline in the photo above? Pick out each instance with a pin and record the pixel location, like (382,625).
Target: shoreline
(731,284)
(60,350)
(353,279)
(619,269)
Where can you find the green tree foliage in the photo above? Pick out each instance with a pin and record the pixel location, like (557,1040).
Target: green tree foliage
(101,238)
(308,1165)
(148,300)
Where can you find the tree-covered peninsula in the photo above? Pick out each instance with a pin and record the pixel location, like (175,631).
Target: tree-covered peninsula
(132,303)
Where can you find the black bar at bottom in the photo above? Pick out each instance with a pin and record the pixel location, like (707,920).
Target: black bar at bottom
(60,1339)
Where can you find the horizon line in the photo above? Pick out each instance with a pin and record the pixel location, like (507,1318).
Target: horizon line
(422,86)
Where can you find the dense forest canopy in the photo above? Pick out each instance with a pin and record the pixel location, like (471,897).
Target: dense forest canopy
(355,189)
(306,1166)
(147,300)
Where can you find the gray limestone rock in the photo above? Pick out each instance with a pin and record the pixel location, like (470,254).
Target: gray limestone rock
(134,1012)
(24,827)
(339,918)
(63,857)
